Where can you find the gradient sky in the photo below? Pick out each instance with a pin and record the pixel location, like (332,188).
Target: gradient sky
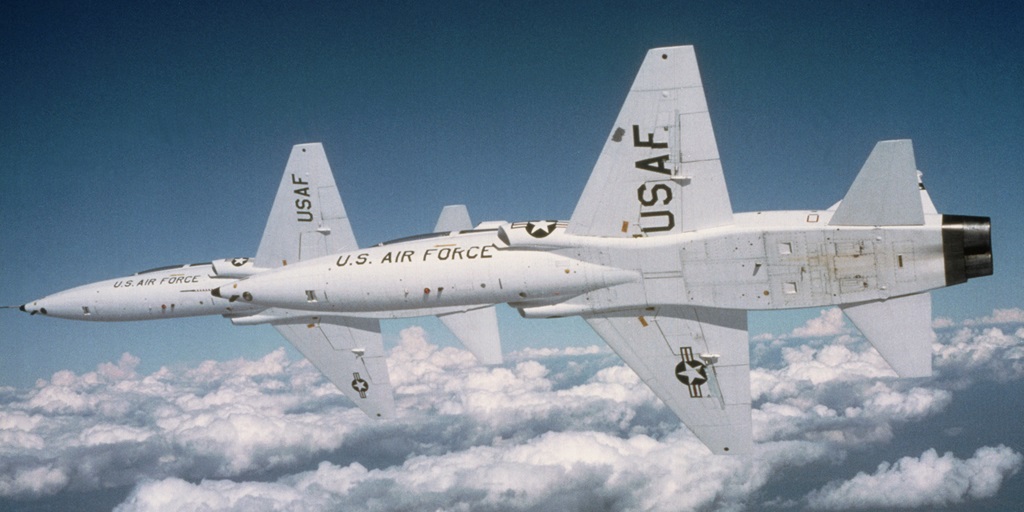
(143,134)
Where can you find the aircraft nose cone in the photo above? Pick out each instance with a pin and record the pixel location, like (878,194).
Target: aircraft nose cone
(24,307)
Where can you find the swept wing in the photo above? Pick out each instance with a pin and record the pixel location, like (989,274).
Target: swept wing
(308,220)
(350,353)
(696,360)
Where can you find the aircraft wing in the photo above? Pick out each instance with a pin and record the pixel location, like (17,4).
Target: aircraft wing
(350,353)
(308,219)
(697,360)
(659,172)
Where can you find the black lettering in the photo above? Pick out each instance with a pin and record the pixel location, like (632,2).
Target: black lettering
(305,216)
(298,181)
(660,187)
(649,143)
(303,204)
(670,221)
(117,284)
(386,258)
(485,250)
(656,164)
(457,253)
(343,260)
(361,259)
(444,253)
(302,191)
(164,280)
(427,253)
(406,256)
(471,254)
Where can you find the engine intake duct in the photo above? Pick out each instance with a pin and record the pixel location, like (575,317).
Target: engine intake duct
(966,247)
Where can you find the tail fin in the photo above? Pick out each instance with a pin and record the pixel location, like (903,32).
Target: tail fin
(659,172)
(308,219)
(477,329)
(454,217)
(886,192)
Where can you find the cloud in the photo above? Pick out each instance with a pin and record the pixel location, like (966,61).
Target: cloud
(110,427)
(540,353)
(988,353)
(568,429)
(828,323)
(554,471)
(999,316)
(927,481)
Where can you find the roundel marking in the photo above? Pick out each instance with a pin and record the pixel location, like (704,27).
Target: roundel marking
(360,385)
(540,229)
(683,373)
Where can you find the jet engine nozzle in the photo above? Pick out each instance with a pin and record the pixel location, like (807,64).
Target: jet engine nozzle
(966,247)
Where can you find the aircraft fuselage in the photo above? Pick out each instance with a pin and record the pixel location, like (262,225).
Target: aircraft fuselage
(765,260)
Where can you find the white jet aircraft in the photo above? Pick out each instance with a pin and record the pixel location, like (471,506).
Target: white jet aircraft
(653,258)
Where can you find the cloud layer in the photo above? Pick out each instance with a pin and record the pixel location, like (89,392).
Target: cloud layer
(570,429)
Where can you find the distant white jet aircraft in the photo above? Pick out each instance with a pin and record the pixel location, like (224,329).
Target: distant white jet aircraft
(653,258)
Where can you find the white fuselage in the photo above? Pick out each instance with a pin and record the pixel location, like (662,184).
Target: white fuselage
(170,292)
(765,260)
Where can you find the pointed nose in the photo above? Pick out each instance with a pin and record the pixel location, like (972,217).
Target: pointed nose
(25,308)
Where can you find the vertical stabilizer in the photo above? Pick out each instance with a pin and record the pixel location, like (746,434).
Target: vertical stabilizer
(454,217)
(659,172)
(886,192)
(477,329)
(308,219)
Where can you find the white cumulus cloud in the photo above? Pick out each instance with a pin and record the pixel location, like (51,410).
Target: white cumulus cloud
(561,429)
(930,480)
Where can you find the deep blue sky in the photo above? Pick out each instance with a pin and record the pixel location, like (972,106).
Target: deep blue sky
(137,135)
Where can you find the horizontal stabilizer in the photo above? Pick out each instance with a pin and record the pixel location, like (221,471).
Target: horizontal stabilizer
(477,329)
(454,217)
(886,192)
(900,329)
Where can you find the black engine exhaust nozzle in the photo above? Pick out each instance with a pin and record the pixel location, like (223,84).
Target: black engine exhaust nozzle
(966,247)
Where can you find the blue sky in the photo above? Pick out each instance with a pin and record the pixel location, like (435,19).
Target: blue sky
(138,135)
(142,135)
